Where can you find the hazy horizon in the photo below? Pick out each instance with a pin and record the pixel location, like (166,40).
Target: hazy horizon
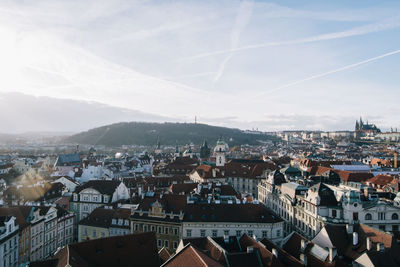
(271,65)
(46,115)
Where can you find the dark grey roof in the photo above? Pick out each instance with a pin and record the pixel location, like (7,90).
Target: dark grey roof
(103,186)
(327,196)
(68,159)
(255,213)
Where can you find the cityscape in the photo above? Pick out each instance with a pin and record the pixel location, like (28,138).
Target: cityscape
(177,133)
(297,198)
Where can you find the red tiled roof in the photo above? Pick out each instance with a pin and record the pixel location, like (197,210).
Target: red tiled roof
(21,213)
(100,217)
(235,169)
(191,256)
(164,254)
(325,163)
(381,180)
(267,258)
(182,188)
(283,256)
(127,250)
(204,244)
(318,170)
(347,176)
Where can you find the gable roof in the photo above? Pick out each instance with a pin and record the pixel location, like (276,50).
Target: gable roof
(326,195)
(68,159)
(283,256)
(191,256)
(267,258)
(127,250)
(348,176)
(99,217)
(292,244)
(164,255)
(106,187)
(381,180)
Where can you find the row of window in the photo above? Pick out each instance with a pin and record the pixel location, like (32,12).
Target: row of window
(11,243)
(36,240)
(11,260)
(94,232)
(381,216)
(50,225)
(50,235)
(37,229)
(120,222)
(238,233)
(93,198)
(157,229)
(166,244)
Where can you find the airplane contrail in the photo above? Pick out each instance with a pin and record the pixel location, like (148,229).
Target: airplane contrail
(241,21)
(386,24)
(330,72)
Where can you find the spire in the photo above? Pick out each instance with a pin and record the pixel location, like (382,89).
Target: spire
(205,145)
(158,142)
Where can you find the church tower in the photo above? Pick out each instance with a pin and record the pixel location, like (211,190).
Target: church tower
(204,150)
(220,151)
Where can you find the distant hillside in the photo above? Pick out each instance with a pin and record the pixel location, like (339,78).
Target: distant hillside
(142,133)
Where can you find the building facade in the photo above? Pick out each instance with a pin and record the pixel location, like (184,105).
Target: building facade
(217,220)
(8,241)
(37,236)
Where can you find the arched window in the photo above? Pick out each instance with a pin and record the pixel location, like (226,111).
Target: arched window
(395,216)
(368,216)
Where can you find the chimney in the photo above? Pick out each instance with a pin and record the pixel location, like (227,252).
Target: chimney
(380,247)
(139,190)
(369,243)
(275,252)
(302,245)
(349,228)
(332,254)
(226,239)
(355,238)
(250,249)
(303,259)
(199,186)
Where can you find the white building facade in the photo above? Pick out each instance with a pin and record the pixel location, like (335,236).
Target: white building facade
(8,241)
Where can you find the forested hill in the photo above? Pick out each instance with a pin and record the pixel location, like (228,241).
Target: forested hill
(143,133)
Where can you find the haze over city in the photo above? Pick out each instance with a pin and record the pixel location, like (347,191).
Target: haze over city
(270,65)
(199,133)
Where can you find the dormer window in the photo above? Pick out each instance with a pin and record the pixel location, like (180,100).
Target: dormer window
(127,222)
(114,221)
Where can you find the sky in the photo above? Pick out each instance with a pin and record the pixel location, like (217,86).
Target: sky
(267,65)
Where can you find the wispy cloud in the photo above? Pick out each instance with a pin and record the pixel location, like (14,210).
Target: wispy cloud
(242,19)
(387,24)
(354,65)
(126,54)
